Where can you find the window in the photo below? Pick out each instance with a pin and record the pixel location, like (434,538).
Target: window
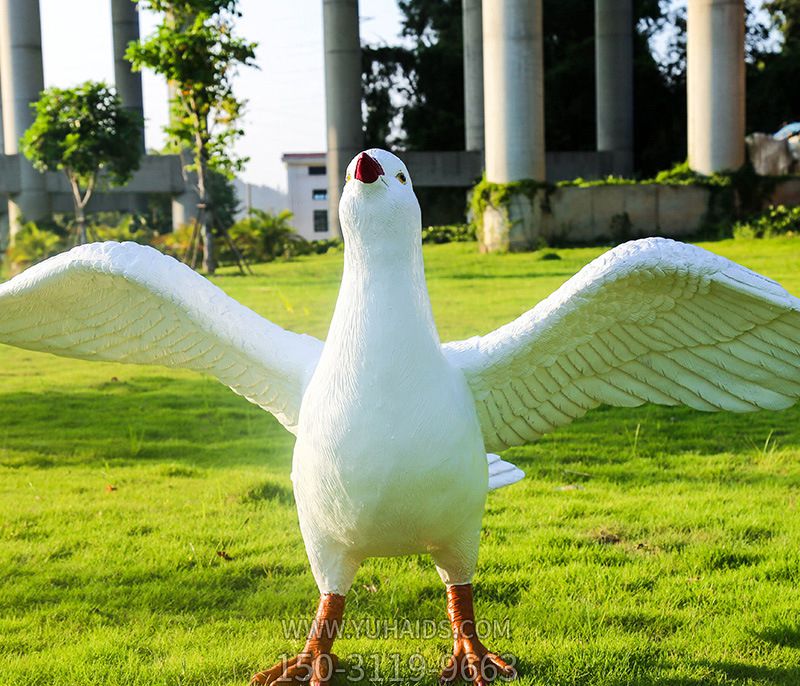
(318,170)
(319,194)
(320,221)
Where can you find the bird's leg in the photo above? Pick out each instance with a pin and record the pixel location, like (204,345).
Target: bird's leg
(316,664)
(471,661)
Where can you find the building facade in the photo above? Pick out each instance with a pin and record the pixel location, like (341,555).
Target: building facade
(307,179)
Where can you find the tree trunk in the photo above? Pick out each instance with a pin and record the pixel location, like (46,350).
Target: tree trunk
(209,261)
(80,218)
(78,204)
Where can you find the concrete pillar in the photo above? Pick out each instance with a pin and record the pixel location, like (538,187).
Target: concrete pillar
(342,96)
(473,74)
(184,209)
(184,205)
(125,29)
(22,79)
(513,89)
(613,30)
(715,85)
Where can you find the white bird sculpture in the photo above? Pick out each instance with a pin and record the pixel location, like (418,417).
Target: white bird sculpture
(393,427)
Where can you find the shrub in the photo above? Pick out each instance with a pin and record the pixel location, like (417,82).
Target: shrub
(176,243)
(263,236)
(776,220)
(326,245)
(451,233)
(127,228)
(32,245)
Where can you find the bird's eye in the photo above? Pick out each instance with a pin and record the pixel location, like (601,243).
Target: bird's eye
(347,178)
(401,177)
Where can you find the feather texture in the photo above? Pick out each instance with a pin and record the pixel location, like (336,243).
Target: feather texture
(652,320)
(125,302)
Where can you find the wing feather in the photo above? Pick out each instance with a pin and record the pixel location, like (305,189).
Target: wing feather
(649,321)
(129,303)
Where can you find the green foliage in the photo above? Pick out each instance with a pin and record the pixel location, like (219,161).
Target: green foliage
(666,556)
(678,175)
(776,220)
(263,236)
(682,175)
(419,74)
(222,201)
(82,131)
(126,228)
(450,233)
(176,243)
(31,245)
(323,246)
(195,48)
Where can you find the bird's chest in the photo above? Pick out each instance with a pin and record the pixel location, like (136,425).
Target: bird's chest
(369,401)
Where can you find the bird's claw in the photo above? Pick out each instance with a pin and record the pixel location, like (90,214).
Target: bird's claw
(473,663)
(313,668)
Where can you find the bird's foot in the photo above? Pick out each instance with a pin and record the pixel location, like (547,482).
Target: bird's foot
(314,668)
(474,663)
(471,661)
(316,665)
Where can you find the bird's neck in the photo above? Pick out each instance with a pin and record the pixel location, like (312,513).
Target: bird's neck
(383,301)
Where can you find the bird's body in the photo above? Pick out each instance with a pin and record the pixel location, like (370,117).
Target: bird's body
(385,424)
(392,426)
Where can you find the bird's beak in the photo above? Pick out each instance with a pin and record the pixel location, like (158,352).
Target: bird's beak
(368,170)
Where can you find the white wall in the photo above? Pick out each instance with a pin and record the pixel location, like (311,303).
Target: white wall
(302,186)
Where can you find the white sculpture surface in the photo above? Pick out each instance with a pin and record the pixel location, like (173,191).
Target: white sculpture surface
(392,427)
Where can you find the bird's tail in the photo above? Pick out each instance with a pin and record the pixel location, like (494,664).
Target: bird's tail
(502,473)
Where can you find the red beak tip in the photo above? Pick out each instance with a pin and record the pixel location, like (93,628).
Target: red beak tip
(368,169)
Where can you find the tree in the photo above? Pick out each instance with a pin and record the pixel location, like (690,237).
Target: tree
(414,93)
(86,133)
(194,48)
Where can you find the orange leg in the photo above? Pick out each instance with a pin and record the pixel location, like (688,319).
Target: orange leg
(316,664)
(471,661)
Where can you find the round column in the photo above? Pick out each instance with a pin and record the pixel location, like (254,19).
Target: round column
(22,79)
(125,29)
(473,74)
(342,96)
(716,85)
(513,88)
(613,21)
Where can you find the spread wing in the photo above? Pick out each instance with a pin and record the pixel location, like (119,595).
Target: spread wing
(125,302)
(649,321)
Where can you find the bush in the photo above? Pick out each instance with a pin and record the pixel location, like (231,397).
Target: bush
(326,245)
(127,228)
(32,245)
(176,243)
(451,233)
(263,236)
(776,220)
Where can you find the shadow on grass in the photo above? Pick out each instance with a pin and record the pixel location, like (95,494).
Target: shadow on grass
(661,444)
(743,673)
(190,422)
(502,276)
(201,422)
(784,635)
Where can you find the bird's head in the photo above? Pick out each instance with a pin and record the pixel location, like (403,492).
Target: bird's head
(378,205)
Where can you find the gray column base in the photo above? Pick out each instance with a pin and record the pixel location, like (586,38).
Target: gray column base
(184,209)
(515,227)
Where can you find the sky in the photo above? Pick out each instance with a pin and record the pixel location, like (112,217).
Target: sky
(286,96)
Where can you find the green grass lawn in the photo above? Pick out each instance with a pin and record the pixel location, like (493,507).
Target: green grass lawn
(650,546)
